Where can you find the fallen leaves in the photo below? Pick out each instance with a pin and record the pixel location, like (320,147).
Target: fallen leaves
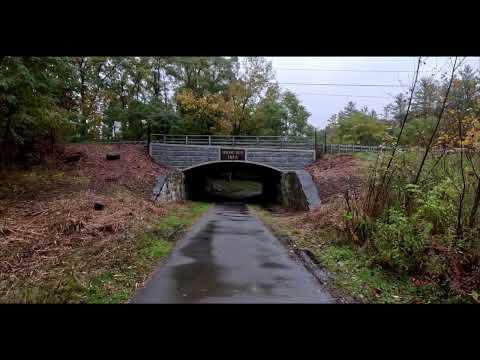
(46,214)
(334,175)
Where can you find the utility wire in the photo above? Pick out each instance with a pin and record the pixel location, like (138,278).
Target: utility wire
(348,70)
(299,68)
(335,84)
(348,95)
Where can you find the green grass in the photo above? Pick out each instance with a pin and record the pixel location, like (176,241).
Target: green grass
(356,278)
(112,272)
(239,185)
(352,273)
(368,157)
(153,243)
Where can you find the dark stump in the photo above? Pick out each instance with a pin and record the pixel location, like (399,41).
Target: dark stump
(98,206)
(113,156)
(72,157)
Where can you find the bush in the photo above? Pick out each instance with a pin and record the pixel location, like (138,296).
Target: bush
(401,240)
(417,230)
(436,207)
(399,243)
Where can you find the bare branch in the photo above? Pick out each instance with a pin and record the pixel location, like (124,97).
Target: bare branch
(404,119)
(434,133)
(464,185)
(469,158)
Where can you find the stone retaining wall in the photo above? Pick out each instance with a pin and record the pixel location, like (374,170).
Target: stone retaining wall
(184,156)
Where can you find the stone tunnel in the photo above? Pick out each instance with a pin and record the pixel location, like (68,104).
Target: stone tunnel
(279,171)
(292,189)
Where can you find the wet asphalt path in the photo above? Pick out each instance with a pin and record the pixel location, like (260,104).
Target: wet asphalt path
(230,257)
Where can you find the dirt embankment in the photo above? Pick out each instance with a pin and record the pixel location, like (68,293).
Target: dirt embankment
(317,229)
(47,214)
(335,174)
(134,170)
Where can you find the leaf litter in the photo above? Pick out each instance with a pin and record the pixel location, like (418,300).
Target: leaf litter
(48,213)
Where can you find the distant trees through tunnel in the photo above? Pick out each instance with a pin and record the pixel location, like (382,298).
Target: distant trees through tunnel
(233,181)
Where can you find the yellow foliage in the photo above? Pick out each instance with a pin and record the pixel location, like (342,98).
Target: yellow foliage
(472,138)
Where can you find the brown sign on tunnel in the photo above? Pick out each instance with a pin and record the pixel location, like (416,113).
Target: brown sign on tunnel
(232,154)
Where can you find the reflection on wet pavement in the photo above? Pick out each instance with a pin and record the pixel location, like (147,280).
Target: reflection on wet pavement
(229,256)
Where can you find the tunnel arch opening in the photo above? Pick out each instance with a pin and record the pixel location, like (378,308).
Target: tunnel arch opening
(223,181)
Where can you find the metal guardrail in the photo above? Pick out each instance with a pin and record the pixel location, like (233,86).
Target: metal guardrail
(282,142)
(120,142)
(349,148)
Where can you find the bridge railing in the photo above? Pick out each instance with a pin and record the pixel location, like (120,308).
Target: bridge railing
(282,142)
(349,148)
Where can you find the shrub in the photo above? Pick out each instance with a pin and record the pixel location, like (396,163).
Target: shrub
(399,243)
(436,207)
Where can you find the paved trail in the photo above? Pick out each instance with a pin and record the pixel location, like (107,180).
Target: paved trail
(230,257)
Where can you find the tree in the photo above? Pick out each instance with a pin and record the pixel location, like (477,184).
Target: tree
(32,94)
(356,127)
(270,115)
(281,114)
(245,92)
(202,74)
(361,129)
(347,111)
(425,99)
(398,108)
(296,123)
(88,86)
(417,130)
(159,80)
(203,114)
(128,97)
(465,91)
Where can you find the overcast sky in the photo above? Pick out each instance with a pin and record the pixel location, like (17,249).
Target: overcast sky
(324,100)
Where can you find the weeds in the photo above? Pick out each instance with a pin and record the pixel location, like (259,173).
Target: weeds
(105,272)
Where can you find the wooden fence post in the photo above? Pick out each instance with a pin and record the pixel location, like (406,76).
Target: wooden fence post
(149,135)
(325,141)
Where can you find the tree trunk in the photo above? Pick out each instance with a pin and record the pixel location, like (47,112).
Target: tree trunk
(476,204)
(122,97)
(156,85)
(6,149)
(7,129)
(149,134)
(82,101)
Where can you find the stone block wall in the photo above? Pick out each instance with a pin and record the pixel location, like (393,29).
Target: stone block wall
(184,156)
(171,187)
(291,192)
(282,159)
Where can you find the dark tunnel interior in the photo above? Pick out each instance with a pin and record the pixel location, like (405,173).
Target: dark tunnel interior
(233,181)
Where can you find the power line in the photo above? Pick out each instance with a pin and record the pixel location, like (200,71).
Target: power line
(335,84)
(348,95)
(298,67)
(348,70)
